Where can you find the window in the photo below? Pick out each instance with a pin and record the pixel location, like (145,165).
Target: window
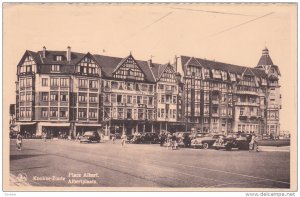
(242,111)
(129,113)
(28,97)
(63,113)
(93,114)
(162,99)
(137,87)
(120,113)
(150,101)
(64,82)
(94,84)
(174,113)
(205,120)
(113,98)
(129,86)
(140,114)
(82,113)
(93,98)
(45,96)
(150,88)
(139,99)
(162,113)
(58,58)
(129,99)
(44,112)
(54,82)
(64,96)
(82,98)
(44,82)
(82,83)
(119,98)
(53,96)
(22,83)
(53,112)
(55,68)
(114,85)
(29,69)
(28,82)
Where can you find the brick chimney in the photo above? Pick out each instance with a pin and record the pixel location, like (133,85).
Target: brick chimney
(69,53)
(44,52)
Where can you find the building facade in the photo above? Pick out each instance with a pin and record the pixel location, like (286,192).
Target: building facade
(225,98)
(67,93)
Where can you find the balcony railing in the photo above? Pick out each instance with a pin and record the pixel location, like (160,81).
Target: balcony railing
(246,92)
(215,114)
(246,104)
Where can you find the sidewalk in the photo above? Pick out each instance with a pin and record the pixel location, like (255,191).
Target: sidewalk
(274,148)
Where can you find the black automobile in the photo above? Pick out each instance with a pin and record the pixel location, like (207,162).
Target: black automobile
(151,138)
(135,139)
(90,136)
(233,140)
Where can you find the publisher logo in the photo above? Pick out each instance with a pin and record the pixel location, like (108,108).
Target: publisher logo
(22,177)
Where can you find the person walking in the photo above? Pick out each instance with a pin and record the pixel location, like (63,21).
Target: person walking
(124,139)
(174,142)
(19,142)
(253,145)
(44,136)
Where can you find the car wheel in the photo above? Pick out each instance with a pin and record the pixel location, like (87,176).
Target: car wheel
(205,146)
(228,148)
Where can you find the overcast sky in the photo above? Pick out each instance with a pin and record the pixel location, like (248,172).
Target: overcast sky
(231,33)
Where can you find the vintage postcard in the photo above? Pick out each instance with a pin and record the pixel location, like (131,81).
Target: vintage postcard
(150,97)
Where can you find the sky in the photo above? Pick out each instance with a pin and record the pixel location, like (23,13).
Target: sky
(230,33)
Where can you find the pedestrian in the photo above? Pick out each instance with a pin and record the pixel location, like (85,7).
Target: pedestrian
(169,141)
(174,142)
(113,138)
(124,139)
(44,136)
(253,145)
(19,142)
(77,137)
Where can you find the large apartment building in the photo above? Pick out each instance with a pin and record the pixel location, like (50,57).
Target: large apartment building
(221,97)
(65,92)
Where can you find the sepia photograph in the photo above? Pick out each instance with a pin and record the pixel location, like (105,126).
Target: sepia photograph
(149,97)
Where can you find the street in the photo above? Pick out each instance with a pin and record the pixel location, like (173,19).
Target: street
(63,163)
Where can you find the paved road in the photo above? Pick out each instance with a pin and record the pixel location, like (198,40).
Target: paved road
(59,163)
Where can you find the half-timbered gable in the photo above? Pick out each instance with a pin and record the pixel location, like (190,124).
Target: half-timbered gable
(88,66)
(128,68)
(168,75)
(27,64)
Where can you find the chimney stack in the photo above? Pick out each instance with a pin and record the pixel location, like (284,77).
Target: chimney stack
(44,52)
(68,53)
(150,63)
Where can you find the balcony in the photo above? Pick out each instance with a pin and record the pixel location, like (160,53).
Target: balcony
(273,106)
(243,117)
(215,114)
(247,92)
(246,104)
(215,102)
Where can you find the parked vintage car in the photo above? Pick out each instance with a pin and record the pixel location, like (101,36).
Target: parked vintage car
(206,141)
(149,137)
(233,140)
(90,136)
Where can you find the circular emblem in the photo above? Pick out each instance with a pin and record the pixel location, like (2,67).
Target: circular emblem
(22,177)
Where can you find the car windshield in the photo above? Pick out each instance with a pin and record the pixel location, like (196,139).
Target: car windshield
(89,133)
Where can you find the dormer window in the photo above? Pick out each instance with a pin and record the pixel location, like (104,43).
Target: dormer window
(55,68)
(58,58)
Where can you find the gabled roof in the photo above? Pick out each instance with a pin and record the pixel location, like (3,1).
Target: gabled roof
(225,67)
(35,56)
(51,55)
(155,69)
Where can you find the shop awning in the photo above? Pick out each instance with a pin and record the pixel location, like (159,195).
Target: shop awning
(55,124)
(25,123)
(87,125)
